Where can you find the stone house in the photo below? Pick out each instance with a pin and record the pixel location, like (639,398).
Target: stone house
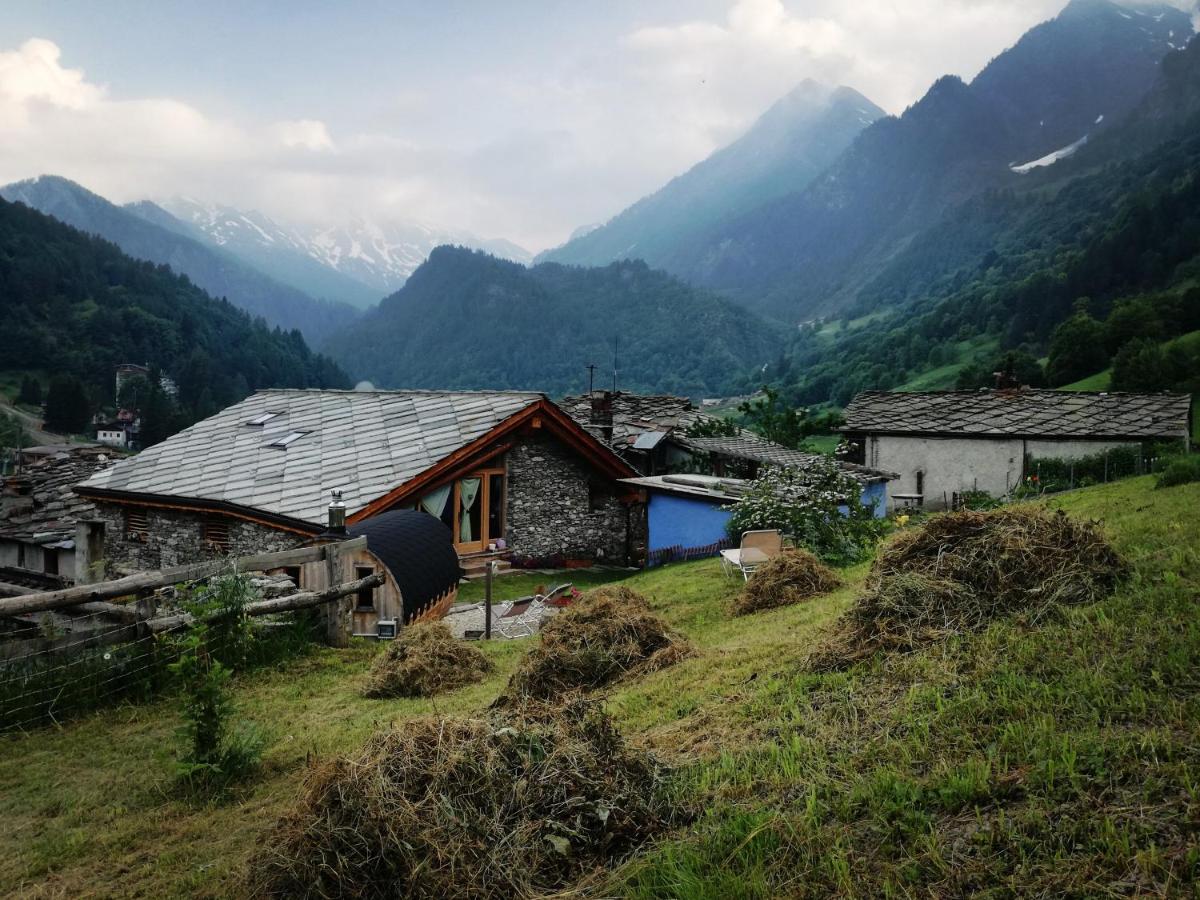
(509,473)
(945,443)
(40,515)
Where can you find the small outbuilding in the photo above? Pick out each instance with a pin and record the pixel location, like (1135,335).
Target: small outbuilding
(416,555)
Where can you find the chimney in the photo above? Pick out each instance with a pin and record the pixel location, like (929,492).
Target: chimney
(602,414)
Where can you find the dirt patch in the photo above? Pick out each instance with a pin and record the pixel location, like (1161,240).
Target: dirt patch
(423,661)
(791,577)
(520,803)
(608,634)
(960,571)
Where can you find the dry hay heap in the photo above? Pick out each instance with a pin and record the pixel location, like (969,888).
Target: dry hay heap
(607,634)
(506,807)
(962,570)
(791,577)
(425,660)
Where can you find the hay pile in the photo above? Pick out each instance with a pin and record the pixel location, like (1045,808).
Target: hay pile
(425,660)
(607,634)
(466,808)
(791,577)
(962,570)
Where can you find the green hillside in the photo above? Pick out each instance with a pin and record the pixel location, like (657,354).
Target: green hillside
(1054,757)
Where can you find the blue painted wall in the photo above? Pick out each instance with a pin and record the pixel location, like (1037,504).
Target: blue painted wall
(684,522)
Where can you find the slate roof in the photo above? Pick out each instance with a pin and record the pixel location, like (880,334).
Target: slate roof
(364,443)
(760,450)
(419,552)
(635,414)
(40,505)
(1022,413)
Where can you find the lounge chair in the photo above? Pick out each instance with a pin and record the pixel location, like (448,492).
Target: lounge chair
(756,548)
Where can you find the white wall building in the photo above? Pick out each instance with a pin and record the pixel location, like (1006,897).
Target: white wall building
(943,443)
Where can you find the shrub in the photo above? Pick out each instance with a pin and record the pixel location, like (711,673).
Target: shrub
(789,578)
(425,660)
(820,507)
(607,634)
(517,805)
(1183,470)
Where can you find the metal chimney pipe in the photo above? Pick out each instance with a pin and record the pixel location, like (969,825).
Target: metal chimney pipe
(337,514)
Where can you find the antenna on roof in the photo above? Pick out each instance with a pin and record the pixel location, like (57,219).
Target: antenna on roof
(591,378)
(616,345)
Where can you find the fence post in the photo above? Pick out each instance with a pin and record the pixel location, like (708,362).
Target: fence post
(489,569)
(336,630)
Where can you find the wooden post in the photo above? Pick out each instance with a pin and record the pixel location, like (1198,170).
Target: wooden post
(487,600)
(336,630)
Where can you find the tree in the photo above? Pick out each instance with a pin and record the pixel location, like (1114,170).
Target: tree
(1076,348)
(1141,365)
(774,420)
(159,414)
(67,407)
(31,391)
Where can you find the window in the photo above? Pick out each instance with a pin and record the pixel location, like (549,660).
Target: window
(921,483)
(50,561)
(287,440)
(216,535)
(262,419)
(294,573)
(137,523)
(365,598)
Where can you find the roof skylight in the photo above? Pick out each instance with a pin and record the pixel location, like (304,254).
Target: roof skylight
(262,418)
(287,440)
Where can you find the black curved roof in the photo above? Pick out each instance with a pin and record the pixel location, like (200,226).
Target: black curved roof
(418,551)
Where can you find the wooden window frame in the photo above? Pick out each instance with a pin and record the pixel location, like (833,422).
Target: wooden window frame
(214,532)
(361,572)
(137,524)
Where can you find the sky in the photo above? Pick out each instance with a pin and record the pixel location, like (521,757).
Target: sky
(523,119)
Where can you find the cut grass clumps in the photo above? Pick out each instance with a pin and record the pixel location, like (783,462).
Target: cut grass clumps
(791,577)
(423,661)
(515,805)
(960,571)
(608,634)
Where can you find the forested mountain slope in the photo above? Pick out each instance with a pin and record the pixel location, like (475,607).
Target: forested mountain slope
(1115,229)
(468,320)
(74,304)
(218,273)
(1064,81)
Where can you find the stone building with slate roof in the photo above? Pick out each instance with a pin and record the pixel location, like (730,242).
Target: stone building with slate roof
(41,516)
(944,443)
(509,473)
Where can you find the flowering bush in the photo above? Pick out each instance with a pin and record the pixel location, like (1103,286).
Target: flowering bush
(820,507)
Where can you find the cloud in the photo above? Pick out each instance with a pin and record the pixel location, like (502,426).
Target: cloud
(526,147)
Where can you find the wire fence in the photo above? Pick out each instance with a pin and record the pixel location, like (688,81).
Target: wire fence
(51,686)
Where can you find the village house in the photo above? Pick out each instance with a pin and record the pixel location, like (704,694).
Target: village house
(691,481)
(508,473)
(41,515)
(943,444)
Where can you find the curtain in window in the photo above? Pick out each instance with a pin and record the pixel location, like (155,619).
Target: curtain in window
(468,490)
(434,502)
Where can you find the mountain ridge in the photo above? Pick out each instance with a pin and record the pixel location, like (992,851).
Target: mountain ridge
(217,273)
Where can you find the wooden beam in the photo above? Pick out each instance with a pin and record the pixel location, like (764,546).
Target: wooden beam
(302,600)
(149,581)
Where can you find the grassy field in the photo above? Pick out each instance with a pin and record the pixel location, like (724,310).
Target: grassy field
(944,377)
(1057,757)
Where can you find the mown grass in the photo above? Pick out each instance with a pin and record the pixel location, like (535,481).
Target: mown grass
(1060,759)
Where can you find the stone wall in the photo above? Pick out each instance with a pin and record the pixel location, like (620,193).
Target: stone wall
(176,537)
(550,515)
